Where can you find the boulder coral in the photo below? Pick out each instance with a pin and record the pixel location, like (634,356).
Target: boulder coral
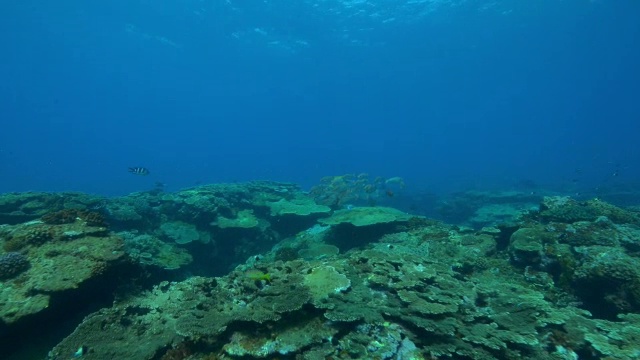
(12,264)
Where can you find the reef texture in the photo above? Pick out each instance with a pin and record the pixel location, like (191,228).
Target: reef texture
(61,262)
(306,278)
(566,289)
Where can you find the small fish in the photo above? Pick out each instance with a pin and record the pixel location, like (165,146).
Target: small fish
(258,275)
(139,171)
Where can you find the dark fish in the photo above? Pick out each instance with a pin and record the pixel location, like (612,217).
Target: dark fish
(139,171)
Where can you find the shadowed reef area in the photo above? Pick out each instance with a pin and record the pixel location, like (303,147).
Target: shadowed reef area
(347,270)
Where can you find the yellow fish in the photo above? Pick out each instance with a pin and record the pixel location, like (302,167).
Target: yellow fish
(258,275)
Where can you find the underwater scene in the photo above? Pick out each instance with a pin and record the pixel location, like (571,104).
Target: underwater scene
(320,180)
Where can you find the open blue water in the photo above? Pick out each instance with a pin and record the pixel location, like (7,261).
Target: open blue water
(448,94)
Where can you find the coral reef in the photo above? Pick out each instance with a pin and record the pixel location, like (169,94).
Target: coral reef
(16,208)
(397,303)
(567,210)
(318,251)
(67,216)
(364,216)
(182,233)
(12,264)
(32,234)
(360,225)
(289,278)
(148,250)
(351,189)
(244,219)
(487,208)
(52,271)
(431,292)
(300,205)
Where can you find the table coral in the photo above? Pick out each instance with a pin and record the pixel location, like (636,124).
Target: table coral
(244,219)
(182,233)
(364,216)
(300,206)
(318,251)
(323,281)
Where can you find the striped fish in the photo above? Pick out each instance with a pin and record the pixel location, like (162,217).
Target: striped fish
(139,171)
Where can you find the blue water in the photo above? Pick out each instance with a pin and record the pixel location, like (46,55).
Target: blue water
(447,94)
